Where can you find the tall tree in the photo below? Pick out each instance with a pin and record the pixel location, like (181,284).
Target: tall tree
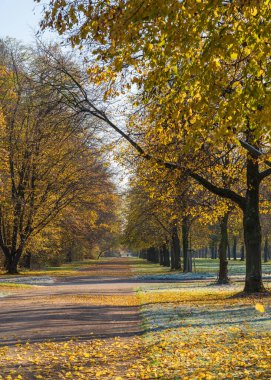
(48,158)
(209,86)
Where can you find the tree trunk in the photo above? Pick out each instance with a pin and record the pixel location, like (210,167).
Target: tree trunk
(229,251)
(153,255)
(252,230)
(175,249)
(11,262)
(223,245)
(26,260)
(265,250)
(215,255)
(69,256)
(161,256)
(242,252)
(166,255)
(212,251)
(148,254)
(234,248)
(185,235)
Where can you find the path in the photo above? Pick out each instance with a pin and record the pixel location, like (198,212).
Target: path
(61,311)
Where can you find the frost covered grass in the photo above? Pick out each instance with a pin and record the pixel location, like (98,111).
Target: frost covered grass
(202,269)
(198,331)
(236,267)
(20,281)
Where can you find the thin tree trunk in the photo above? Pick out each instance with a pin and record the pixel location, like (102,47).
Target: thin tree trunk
(242,252)
(215,256)
(252,230)
(229,251)
(185,236)
(166,255)
(265,250)
(175,249)
(223,245)
(212,251)
(234,248)
(161,256)
(172,256)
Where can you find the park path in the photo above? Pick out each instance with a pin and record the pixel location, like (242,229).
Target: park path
(60,311)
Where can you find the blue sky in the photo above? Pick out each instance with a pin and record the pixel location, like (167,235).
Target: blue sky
(19,19)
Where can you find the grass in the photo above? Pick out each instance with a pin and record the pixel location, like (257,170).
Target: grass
(11,285)
(67,269)
(142,267)
(236,267)
(195,330)
(192,330)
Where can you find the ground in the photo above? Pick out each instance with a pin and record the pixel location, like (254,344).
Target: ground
(128,319)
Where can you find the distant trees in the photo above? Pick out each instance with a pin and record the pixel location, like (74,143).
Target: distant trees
(50,163)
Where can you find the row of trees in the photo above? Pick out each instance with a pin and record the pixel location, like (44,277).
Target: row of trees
(164,226)
(57,195)
(198,76)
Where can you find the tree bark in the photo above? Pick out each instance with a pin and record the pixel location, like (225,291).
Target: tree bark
(212,249)
(223,245)
(175,249)
(265,250)
(166,255)
(229,251)
(234,248)
(11,262)
(215,255)
(252,230)
(242,252)
(185,235)
(161,256)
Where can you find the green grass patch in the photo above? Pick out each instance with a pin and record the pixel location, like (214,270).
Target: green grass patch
(67,269)
(11,285)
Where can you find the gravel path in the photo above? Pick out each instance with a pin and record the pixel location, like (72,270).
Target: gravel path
(60,311)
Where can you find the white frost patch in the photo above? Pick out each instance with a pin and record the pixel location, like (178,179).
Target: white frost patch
(177,276)
(190,276)
(29,280)
(161,316)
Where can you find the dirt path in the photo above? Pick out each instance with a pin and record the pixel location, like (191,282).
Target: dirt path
(74,307)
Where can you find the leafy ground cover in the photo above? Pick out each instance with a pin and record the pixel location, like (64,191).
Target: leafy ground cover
(202,332)
(190,330)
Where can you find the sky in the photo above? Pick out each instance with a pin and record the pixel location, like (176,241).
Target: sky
(19,19)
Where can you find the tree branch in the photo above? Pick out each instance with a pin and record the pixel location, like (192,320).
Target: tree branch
(222,192)
(265,174)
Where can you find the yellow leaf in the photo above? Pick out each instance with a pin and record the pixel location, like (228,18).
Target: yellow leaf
(260,308)
(234,56)
(254,11)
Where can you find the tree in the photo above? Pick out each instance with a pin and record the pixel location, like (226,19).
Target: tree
(208,87)
(146,224)
(49,161)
